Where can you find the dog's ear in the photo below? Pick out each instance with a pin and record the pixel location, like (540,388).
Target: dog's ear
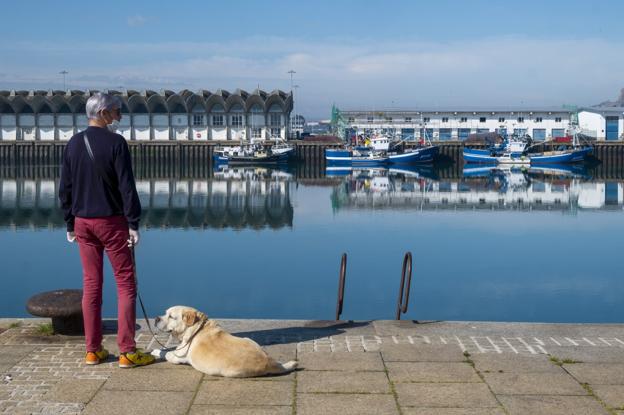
(189,317)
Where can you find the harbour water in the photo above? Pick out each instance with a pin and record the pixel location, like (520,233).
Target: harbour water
(538,245)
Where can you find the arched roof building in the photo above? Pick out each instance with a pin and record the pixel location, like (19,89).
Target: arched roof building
(204,109)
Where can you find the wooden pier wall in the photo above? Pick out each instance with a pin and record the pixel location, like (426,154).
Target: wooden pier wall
(194,159)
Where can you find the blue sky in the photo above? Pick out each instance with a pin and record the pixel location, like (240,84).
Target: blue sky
(358,54)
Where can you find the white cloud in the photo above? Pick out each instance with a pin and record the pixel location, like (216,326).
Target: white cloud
(351,72)
(136,21)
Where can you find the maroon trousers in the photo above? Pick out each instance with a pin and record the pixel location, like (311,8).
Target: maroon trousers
(110,234)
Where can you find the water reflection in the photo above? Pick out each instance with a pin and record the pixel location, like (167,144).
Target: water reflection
(556,188)
(246,197)
(259,197)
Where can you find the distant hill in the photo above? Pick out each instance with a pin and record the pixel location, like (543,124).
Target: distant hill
(617,103)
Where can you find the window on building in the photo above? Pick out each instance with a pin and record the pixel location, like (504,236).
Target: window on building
(445,133)
(217,120)
(389,120)
(426,119)
(237,120)
(256,132)
(501,119)
(463,119)
(463,133)
(538,119)
(369,119)
(275,132)
(557,119)
(198,120)
(444,119)
(482,119)
(520,119)
(275,120)
(351,120)
(408,119)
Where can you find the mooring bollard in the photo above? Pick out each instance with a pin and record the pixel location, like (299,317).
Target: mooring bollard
(341,284)
(403,300)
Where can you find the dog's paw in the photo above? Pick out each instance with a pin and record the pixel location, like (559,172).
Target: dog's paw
(158,353)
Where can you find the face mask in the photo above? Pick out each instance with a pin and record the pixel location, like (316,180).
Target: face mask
(113,126)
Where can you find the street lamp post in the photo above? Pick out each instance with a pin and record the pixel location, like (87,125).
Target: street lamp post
(64,72)
(291,72)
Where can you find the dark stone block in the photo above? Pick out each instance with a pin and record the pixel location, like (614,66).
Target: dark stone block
(64,307)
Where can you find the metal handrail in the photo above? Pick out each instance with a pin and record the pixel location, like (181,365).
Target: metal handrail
(341,284)
(403,301)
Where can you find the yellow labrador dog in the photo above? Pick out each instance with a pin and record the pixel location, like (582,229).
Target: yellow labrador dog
(211,350)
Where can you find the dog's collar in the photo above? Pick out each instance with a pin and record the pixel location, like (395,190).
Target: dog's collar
(188,342)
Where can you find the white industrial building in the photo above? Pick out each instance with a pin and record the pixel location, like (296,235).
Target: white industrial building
(541,124)
(148,115)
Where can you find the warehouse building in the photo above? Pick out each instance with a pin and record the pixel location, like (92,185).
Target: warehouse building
(148,115)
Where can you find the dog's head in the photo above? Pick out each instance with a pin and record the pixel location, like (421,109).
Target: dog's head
(178,319)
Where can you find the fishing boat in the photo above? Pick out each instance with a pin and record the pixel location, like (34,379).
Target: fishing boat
(281,147)
(520,151)
(355,157)
(397,151)
(248,154)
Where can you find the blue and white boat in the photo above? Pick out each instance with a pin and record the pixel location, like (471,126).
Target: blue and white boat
(354,157)
(248,154)
(515,151)
(422,154)
(414,155)
(573,155)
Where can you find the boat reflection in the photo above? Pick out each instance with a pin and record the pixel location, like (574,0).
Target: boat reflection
(524,188)
(239,197)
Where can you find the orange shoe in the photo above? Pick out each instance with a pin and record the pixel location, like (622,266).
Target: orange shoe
(95,358)
(135,358)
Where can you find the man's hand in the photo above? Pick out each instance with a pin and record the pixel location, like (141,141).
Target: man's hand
(133,240)
(71,237)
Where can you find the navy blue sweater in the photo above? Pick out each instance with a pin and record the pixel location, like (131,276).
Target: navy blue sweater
(84,192)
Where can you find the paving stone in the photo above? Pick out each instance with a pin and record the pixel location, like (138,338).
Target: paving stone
(421,353)
(10,355)
(140,379)
(612,395)
(341,361)
(431,372)
(345,404)
(431,395)
(452,411)
(287,377)
(551,405)
(240,392)
(597,373)
(164,365)
(144,403)
(73,390)
(533,384)
(589,354)
(281,352)
(238,410)
(343,382)
(514,363)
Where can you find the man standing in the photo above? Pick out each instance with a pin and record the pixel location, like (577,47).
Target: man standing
(102,211)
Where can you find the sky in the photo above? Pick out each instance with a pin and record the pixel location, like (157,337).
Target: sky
(355,54)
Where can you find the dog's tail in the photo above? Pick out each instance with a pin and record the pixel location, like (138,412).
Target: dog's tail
(277,367)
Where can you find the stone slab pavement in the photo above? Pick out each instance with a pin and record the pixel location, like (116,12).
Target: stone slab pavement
(368,367)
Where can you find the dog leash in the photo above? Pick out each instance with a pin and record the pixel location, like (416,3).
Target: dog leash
(136,282)
(149,326)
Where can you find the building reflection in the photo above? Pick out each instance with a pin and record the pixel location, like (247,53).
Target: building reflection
(236,198)
(553,188)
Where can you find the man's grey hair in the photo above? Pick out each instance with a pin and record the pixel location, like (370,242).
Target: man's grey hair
(99,102)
